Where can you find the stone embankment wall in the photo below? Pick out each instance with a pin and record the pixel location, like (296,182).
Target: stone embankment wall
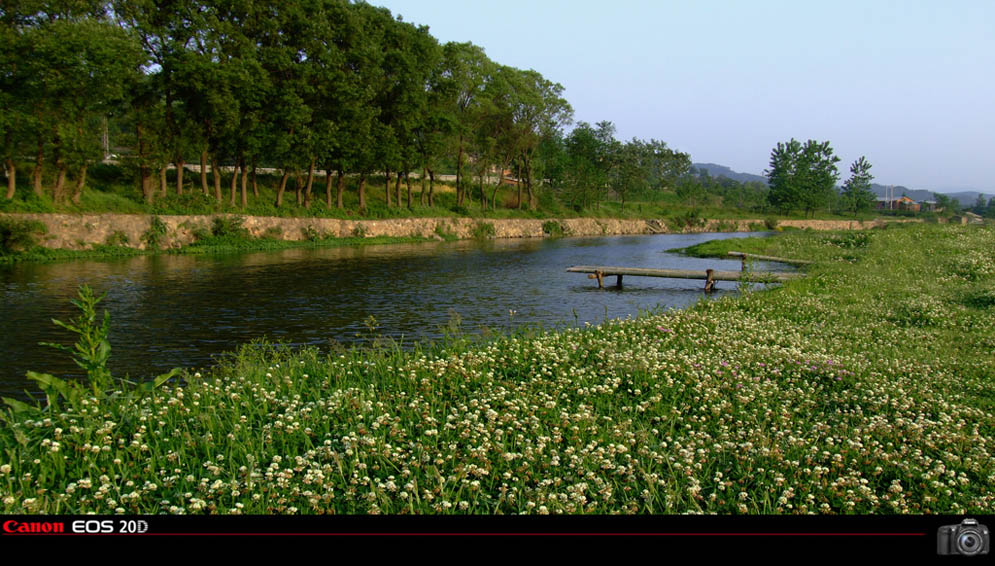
(82,231)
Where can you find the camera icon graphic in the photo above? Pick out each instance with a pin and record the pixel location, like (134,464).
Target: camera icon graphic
(969,538)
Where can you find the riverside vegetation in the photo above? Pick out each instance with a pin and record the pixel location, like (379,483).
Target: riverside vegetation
(864,388)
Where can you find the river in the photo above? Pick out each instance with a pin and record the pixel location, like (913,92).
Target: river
(184,310)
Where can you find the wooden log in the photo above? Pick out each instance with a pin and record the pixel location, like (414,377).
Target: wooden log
(755,277)
(744,256)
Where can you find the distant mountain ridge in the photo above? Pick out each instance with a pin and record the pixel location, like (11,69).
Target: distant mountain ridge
(966,198)
(716,170)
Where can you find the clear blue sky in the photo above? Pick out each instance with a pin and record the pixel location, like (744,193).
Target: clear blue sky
(909,84)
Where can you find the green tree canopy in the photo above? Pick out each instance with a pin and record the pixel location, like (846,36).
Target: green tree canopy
(857,194)
(802,176)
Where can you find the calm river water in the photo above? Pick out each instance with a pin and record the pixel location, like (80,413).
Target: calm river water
(184,311)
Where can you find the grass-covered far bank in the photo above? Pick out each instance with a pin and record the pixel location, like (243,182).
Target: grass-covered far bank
(865,388)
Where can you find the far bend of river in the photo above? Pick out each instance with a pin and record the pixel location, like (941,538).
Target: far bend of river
(184,310)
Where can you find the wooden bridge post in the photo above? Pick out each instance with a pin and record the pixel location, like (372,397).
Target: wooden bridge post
(710,282)
(618,281)
(599,275)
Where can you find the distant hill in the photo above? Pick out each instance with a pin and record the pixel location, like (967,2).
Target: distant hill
(716,170)
(966,198)
(969,198)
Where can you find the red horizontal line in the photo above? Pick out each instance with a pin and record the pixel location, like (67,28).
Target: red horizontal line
(487,534)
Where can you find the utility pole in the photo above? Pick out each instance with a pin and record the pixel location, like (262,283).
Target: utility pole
(105,140)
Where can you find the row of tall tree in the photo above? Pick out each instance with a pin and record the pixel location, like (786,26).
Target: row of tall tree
(297,86)
(589,165)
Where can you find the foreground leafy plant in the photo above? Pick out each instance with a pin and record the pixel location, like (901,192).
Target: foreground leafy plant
(91,352)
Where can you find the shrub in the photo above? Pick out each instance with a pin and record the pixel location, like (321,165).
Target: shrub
(446,235)
(19,235)
(359,231)
(273,233)
(118,238)
(726,226)
(981,298)
(771,223)
(689,220)
(483,231)
(229,227)
(156,234)
(310,233)
(552,228)
(849,240)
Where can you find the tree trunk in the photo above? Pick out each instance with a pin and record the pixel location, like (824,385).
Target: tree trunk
(362,193)
(217,179)
(340,181)
(11,178)
(407,181)
(245,182)
(203,172)
(145,173)
(424,178)
(281,188)
(60,180)
(297,187)
(494,195)
(163,184)
(459,173)
(145,176)
(179,176)
(80,184)
(468,193)
(255,186)
(397,189)
(483,197)
(234,184)
(307,189)
(39,161)
(518,183)
(328,188)
(387,187)
(528,185)
(431,188)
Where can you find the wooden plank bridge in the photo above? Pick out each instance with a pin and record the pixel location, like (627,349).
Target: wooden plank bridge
(746,256)
(709,275)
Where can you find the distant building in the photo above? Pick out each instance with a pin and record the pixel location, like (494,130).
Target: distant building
(973,218)
(901,203)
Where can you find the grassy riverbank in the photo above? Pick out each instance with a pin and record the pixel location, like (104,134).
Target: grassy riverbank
(865,388)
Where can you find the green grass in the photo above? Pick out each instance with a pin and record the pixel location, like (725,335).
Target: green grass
(865,388)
